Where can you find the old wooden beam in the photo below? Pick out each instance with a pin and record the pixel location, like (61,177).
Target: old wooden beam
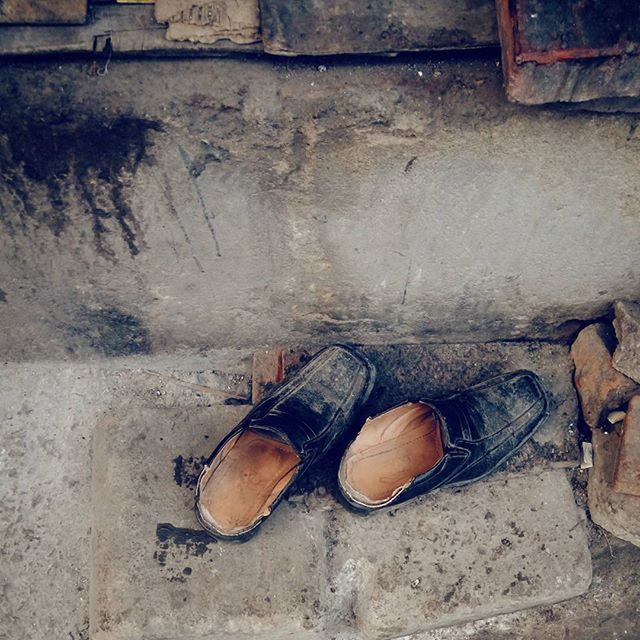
(43,11)
(309,27)
(131,29)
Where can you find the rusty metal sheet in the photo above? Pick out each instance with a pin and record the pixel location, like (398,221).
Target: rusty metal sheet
(43,11)
(626,477)
(573,29)
(309,27)
(570,50)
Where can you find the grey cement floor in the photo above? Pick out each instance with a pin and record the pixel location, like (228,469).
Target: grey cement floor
(88,472)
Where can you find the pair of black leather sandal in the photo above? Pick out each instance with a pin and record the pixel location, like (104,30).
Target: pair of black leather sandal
(406,451)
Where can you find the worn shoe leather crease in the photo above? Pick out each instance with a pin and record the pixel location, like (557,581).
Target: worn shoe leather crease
(419,446)
(275,444)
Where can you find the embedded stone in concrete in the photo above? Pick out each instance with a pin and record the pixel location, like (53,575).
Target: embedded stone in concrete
(626,478)
(515,541)
(618,513)
(601,388)
(314,570)
(626,358)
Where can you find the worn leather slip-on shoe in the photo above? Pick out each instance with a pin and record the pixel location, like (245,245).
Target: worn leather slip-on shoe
(280,438)
(419,446)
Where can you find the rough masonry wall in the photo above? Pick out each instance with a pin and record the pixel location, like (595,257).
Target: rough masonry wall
(211,203)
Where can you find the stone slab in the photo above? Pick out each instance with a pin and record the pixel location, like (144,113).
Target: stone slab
(313,571)
(515,541)
(618,513)
(446,246)
(154,575)
(626,357)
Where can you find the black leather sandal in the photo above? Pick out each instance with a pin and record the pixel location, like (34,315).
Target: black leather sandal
(275,444)
(419,446)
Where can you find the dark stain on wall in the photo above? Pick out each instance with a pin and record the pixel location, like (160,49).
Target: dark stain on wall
(3,296)
(46,167)
(109,332)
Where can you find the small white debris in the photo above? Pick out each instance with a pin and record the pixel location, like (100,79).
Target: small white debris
(616,416)
(420,73)
(587,456)
(416,583)
(321,68)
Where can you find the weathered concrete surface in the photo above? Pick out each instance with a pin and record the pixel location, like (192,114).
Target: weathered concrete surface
(608,610)
(47,415)
(618,513)
(65,395)
(463,555)
(235,202)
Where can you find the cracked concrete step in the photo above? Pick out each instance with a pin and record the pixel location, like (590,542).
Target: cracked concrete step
(314,571)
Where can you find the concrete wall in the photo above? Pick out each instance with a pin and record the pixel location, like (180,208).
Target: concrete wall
(213,203)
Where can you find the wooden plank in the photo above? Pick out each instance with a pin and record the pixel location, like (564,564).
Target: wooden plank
(569,51)
(209,21)
(312,27)
(43,11)
(130,28)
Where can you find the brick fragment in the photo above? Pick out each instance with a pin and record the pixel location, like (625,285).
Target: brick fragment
(626,358)
(601,387)
(626,478)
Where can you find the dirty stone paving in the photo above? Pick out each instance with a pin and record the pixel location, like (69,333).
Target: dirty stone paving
(112,549)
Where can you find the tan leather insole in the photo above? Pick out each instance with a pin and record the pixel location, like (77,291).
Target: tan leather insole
(390,451)
(244,479)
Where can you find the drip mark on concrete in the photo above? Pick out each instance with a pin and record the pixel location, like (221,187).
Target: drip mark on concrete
(209,216)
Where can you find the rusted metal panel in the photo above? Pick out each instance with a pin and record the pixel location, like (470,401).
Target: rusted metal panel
(43,11)
(573,29)
(626,478)
(570,50)
(312,27)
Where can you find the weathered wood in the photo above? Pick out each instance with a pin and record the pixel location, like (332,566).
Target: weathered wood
(131,28)
(209,21)
(313,27)
(569,51)
(43,11)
